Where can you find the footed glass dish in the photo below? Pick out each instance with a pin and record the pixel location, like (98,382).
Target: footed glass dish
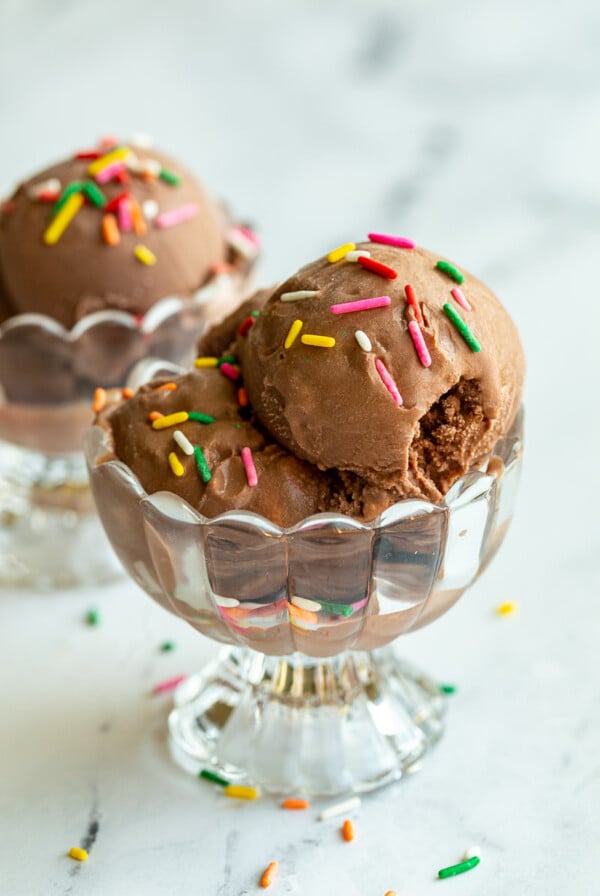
(49,531)
(308,696)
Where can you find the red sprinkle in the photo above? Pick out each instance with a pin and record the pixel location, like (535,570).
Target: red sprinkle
(245,326)
(123,177)
(168,685)
(114,203)
(242,396)
(90,154)
(47,196)
(412,301)
(377,267)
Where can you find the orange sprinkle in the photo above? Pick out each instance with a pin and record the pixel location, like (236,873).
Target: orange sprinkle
(391,893)
(242,396)
(268,874)
(99,400)
(155,415)
(127,392)
(303,615)
(291,803)
(149,175)
(221,267)
(166,387)
(137,216)
(348,831)
(110,230)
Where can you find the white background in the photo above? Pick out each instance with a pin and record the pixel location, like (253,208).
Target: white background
(474,128)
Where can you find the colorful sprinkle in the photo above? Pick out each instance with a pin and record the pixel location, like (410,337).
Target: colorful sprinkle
(143,254)
(449,269)
(245,326)
(340,252)
(169,177)
(229,371)
(242,397)
(92,617)
(183,442)
(299,295)
(63,218)
(358,253)
(110,171)
(401,242)
(268,874)
(87,155)
(167,647)
(155,415)
(75,186)
(176,215)
(412,301)
(348,831)
(125,216)
(363,340)
(166,387)
(249,467)
(79,854)
(340,808)
(507,609)
(169,685)
(293,803)
(447,688)
(462,328)
(239,239)
(52,185)
(114,203)
(305,603)
(377,267)
(419,343)
(226,359)
(200,418)
(319,341)
(241,792)
(110,230)
(390,893)
(292,335)
(139,222)
(201,464)
(170,420)
(361,305)
(176,466)
(99,400)
(212,776)
(127,393)
(150,209)
(388,382)
(206,362)
(336,609)
(453,870)
(459,297)
(116,155)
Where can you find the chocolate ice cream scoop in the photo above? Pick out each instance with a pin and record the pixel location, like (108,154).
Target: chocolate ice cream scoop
(117,228)
(385,361)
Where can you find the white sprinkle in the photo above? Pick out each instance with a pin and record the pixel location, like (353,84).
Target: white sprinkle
(227,601)
(340,808)
(241,243)
(303,603)
(471,852)
(133,164)
(363,340)
(299,295)
(144,141)
(356,254)
(150,209)
(151,166)
(183,442)
(51,186)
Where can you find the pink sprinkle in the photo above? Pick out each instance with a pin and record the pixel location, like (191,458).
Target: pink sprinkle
(249,467)
(400,241)
(124,215)
(169,685)
(176,215)
(459,297)
(419,343)
(388,382)
(230,372)
(110,171)
(361,305)
(250,235)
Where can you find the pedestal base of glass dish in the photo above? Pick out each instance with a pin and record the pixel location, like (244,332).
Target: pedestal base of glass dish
(302,725)
(50,535)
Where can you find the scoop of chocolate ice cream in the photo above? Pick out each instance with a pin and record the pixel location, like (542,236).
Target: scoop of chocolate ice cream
(365,366)
(149,201)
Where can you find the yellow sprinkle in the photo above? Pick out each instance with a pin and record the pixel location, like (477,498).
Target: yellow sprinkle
(321,341)
(175,464)
(76,852)
(143,254)
(506,609)
(206,362)
(170,420)
(62,220)
(115,156)
(241,793)
(292,334)
(340,252)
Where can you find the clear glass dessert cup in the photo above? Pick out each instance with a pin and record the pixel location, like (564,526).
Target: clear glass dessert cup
(308,696)
(49,531)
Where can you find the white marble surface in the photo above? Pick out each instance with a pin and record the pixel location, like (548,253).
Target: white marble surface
(473,127)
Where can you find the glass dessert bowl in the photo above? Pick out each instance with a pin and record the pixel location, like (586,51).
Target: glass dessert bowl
(308,615)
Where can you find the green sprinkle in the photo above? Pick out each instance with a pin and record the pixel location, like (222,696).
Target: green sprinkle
(453,870)
(461,327)
(449,269)
(170,177)
(254,313)
(167,646)
(238,425)
(76,186)
(93,617)
(226,359)
(200,418)
(336,609)
(447,688)
(94,194)
(201,464)
(212,776)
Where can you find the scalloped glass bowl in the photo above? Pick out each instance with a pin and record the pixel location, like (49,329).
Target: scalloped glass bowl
(49,533)
(309,612)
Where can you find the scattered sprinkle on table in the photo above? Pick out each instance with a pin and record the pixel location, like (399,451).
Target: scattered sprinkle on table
(298,296)
(449,269)
(460,868)
(79,854)
(471,852)
(390,893)
(167,646)
(294,803)
(143,254)
(340,252)
(401,242)
(447,688)
(214,777)
(348,831)
(268,874)
(340,808)
(93,617)
(462,328)
(507,609)
(241,792)
(169,685)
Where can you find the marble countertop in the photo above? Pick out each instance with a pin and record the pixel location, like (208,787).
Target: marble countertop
(473,128)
